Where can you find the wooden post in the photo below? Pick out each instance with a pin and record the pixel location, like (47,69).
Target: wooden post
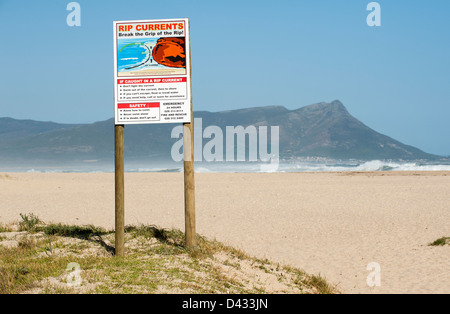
(189,182)
(119,187)
(189,185)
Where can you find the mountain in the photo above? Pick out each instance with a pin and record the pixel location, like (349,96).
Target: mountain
(11,129)
(322,130)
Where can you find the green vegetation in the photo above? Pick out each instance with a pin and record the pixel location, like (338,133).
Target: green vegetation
(156,261)
(5,228)
(441,242)
(29,222)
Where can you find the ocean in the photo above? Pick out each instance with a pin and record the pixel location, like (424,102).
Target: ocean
(304,165)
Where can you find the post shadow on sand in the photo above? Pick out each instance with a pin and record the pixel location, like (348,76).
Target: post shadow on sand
(88,233)
(94,234)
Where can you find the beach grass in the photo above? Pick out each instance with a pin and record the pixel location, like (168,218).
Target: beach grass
(5,228)
(441,242)
(29,222)
(40,258)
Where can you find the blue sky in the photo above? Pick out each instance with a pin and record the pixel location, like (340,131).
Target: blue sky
(394,78)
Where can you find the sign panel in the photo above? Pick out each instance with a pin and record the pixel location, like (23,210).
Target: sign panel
(152,82)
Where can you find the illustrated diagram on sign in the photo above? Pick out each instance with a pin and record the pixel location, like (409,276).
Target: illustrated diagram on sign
(151,56)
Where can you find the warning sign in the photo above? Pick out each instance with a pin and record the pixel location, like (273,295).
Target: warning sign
(152,71)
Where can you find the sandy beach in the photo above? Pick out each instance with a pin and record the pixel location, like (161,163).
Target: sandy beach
(333,224)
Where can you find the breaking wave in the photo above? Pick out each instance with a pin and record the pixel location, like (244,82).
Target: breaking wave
(249,167)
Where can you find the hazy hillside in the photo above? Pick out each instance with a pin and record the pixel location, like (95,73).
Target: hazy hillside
(323,129)
(11,129)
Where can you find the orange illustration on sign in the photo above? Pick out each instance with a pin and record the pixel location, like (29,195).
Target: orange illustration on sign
(170,51)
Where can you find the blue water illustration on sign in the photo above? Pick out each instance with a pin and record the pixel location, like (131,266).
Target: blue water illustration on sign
(135,54)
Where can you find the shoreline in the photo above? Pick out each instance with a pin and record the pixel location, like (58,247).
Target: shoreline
(329,223)
(349,173)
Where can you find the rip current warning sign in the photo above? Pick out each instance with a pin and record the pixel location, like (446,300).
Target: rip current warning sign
(152,82)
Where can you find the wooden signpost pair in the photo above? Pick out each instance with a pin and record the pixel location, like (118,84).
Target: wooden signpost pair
(189,187)
(169,35)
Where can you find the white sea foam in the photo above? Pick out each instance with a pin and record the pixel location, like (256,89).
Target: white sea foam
(246,167)
(378,165)
(373,165)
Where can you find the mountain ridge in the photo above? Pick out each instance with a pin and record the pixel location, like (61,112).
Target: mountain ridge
(319,130)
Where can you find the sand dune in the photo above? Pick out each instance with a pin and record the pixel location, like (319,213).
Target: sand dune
(334,224)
